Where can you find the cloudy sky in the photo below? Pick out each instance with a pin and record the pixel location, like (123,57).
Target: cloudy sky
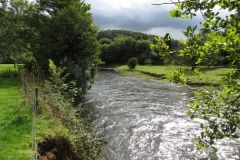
(139,15)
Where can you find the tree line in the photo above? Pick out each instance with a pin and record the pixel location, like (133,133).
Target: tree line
(118,46)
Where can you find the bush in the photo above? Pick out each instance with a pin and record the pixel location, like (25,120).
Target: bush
(132,62)
(178,76)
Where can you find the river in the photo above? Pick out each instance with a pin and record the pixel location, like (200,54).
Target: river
(145,120)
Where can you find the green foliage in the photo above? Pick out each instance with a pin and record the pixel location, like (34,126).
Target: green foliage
(59,83)
(168,40)
(13,47)
(218,34)
(87,146)
(160,50)
(198,73)
(193,47)
(178,76)
(220,108)
(112,34)
(132,62)
(122,48)
(219,40)
(115,48)
(71,40)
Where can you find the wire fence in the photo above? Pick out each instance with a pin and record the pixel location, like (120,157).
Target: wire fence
(34,140)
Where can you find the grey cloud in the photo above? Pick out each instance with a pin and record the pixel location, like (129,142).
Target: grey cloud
(139,18)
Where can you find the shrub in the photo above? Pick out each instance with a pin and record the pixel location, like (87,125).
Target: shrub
(178,76)
(132,62)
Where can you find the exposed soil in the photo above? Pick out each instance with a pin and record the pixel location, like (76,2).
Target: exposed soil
(57,148)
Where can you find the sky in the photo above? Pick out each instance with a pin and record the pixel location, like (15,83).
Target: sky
(139,15)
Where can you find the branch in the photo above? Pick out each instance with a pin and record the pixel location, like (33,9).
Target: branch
(167,3)
(203,15)
(4,36)
(11,26)
(158,4)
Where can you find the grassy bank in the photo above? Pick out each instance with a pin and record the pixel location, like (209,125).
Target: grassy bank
(16,121)
(209,75)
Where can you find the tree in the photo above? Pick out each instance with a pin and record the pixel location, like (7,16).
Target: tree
(220,107)
(6,24)
(64,31)
(13,29)
(143,50)
(6,27)
(123,48)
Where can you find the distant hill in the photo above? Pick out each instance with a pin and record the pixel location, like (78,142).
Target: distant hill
(111,34)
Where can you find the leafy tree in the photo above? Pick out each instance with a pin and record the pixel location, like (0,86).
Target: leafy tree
(219,33)
(13,46)
(104,41)
(219,106)
(122,48)
(6,24)
(64,32)
(104,45)
(143,50)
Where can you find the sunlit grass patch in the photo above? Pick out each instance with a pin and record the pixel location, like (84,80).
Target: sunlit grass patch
(208,76)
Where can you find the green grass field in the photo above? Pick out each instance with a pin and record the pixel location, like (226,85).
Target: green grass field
(16,121)
(208,75)
(4,67)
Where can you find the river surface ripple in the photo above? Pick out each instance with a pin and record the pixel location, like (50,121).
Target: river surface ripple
(145,120)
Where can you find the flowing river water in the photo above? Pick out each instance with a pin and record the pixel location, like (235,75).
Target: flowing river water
(145,120)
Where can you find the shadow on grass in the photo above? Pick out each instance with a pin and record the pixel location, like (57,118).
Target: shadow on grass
(7,83)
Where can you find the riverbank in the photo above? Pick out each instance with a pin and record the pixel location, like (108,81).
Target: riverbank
(16,120)
(60,133)
(208,76)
